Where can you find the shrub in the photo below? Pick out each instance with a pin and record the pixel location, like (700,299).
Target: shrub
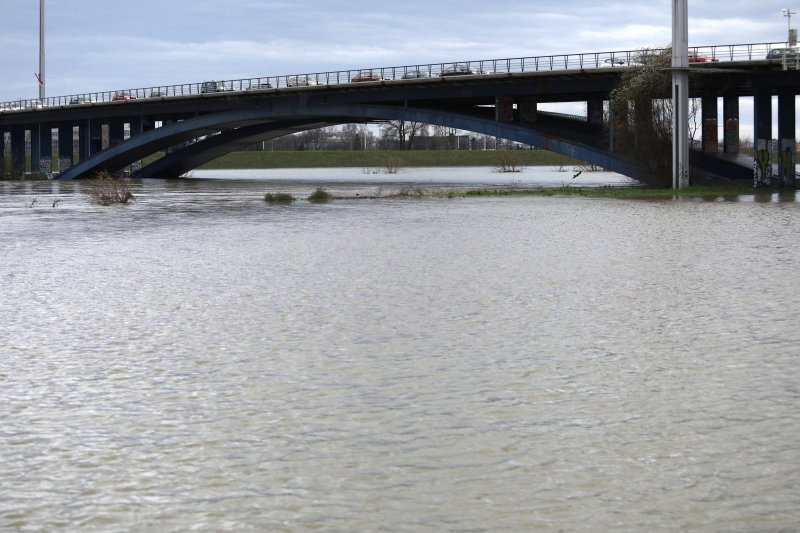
(109,189)
(320,195)
(278,198)
(508,161)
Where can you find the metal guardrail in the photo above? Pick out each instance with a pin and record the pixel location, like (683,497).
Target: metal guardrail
(619,59)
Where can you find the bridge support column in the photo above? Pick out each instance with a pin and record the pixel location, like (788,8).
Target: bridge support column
(83,141)
(710,136)
(762,136)
(787,143)
(42,151)
(528,109)
(504,109)
(2,154)
(116,132)
(17,152)
(65,155)
(136,128)
(730,112)
(594,111)
(95,136)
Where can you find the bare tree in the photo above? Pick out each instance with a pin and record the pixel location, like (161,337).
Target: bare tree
(641,116)
(402,132)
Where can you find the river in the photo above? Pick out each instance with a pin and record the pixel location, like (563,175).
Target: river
(200,360)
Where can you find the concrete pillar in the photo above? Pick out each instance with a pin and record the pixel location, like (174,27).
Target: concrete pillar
(786,139)
(35,148)
(65,154)
(95,136)
(17,152)
(730,112)
(708,105)
(116,132)
(528,109)
(762,137)
(2,154)
(594,111)
(504,109)
(42,158)
(83,140)
(136,126)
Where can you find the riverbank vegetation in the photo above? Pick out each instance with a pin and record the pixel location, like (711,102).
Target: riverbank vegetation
(278,198)
(109,189)
(704,193)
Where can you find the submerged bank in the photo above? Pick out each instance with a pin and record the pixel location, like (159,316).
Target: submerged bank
(382,158)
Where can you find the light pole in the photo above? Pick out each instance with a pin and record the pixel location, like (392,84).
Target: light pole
(680,94)
(788,14)
(40,76)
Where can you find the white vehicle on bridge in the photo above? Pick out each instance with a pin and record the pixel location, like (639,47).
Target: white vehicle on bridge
(613,62)
(299,81)
(212,87)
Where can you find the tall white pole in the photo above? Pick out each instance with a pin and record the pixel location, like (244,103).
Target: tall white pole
(41,50)
(680,94)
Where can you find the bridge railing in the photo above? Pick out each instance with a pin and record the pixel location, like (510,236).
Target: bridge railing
(419,72)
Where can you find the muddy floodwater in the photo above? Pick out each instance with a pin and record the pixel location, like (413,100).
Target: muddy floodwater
(200,360)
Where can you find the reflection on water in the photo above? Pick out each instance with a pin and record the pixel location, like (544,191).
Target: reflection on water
(199,359)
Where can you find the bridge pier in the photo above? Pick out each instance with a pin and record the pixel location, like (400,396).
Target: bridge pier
(136,127)
(594,111)
(83,141)
(95,136)
(2,154)
(116,132)
(787,144)
(730,114)
(42,150)
(708,107)
(65,155)
(17,152)
(762,137)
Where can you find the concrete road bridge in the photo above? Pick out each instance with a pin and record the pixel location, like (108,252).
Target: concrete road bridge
(198,122)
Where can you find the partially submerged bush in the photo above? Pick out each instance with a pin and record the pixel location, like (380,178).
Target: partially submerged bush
(320,195)
(109,189)
(391,165)
(508,161)
(278,198)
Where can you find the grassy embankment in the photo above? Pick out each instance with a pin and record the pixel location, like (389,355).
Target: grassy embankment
(380,158)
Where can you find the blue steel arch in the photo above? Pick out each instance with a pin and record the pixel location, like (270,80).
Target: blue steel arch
(267,119)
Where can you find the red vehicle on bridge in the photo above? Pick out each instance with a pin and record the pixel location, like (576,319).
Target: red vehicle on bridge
(694,57)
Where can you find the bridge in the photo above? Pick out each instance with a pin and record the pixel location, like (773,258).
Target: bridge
(192,124)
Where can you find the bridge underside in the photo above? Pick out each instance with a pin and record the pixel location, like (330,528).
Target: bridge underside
(195,141)
(199,128)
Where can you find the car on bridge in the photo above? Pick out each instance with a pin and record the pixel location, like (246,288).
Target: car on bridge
(694,57)
(460,70)
(780,53)
(300,81)
(260,87)
(366,75)
(79,100)
(122,95)
(414,75)
(212,87)
(614,62)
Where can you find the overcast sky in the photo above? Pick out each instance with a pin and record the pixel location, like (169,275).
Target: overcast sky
(95,45)
(100,45)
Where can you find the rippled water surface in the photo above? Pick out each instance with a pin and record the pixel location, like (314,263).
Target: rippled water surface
(201,360)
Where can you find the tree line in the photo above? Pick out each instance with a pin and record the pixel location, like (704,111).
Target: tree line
(386,135)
